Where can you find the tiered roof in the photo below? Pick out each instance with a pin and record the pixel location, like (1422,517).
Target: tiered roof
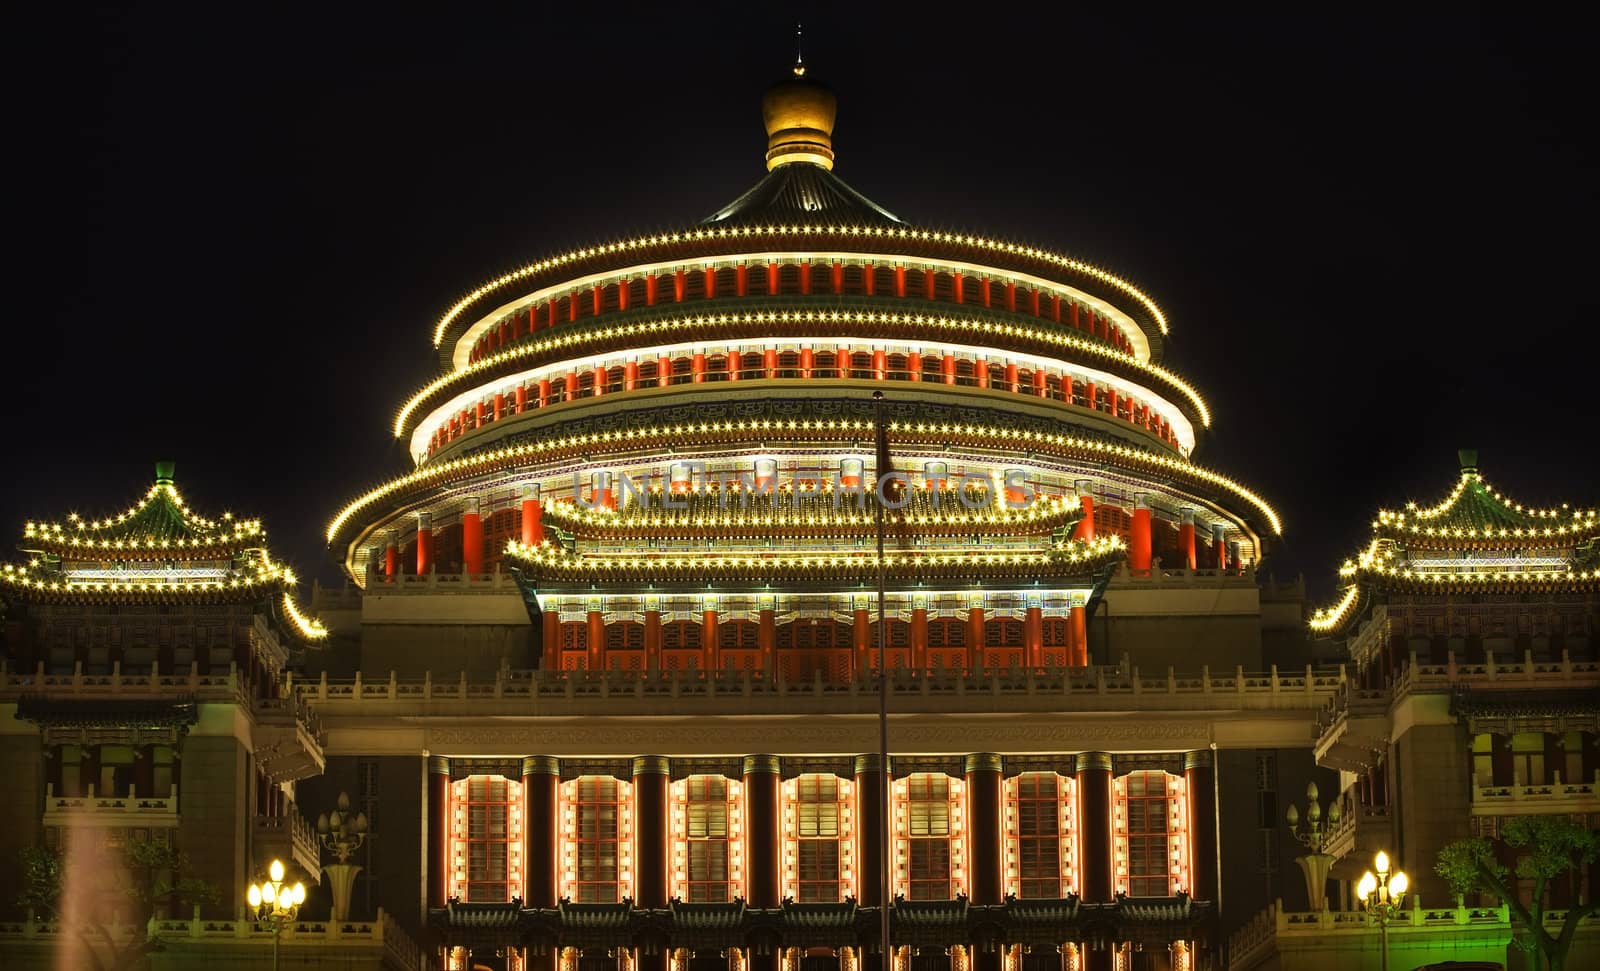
(1475,540)
(157,551)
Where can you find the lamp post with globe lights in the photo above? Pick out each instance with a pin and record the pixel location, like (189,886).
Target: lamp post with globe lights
(1314,836)
(274,905)
(1383,896)
(341,835)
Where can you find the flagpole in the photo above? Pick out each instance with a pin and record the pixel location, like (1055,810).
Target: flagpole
(886,827)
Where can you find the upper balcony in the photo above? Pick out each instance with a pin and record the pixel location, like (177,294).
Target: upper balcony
(288,837)
(1555,799)
(110,811)
(1355,728)
(288,737)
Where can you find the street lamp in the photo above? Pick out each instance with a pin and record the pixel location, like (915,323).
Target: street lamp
(1383,895)
(1314,836)
(341,835)
(275,904)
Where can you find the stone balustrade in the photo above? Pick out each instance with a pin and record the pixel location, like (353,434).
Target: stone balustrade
(1555,798)
(110,810)
(374,944)
(289,835)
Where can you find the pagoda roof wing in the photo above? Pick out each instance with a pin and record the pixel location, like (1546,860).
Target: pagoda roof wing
(801,192)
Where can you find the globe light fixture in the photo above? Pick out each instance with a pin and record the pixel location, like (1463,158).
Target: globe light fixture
(1383,897)
(274,905)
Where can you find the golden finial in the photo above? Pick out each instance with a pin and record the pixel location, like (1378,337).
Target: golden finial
(799,56)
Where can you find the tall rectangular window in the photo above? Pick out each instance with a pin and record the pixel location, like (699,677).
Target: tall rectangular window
(596,851)
(487,844)
(707,841)
(928,862)
(1150,838)
(817,846)
(1039,838)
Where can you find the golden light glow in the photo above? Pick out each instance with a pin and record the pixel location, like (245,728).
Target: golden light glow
(912,433)
(79,534)
(733,232)
(309,627)
(682,326)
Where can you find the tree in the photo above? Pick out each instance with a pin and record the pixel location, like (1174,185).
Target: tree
(1553,848)
(143,873)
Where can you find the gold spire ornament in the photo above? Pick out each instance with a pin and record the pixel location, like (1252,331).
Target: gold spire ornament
(799,117)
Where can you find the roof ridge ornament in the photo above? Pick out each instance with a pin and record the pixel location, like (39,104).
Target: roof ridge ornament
(798,113)
(1468,457)
(799,55)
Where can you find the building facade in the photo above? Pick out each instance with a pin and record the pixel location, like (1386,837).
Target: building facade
(606,676)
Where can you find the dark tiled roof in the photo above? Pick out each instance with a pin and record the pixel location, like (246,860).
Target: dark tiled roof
(1524,704)
(477,916)
(119,713)
(801,193)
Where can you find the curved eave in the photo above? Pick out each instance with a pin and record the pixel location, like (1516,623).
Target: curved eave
(757,525)
(345,531)
(1455,538)
(846,317)
(710,241)
(1076,560)
(1335,619)
(276,597)
(141,550)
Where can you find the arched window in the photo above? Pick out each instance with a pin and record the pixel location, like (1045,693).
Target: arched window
(928,848)
(486,837)
(1040,845)
(596,839)
(817,846)
(707,863)
(1150,841)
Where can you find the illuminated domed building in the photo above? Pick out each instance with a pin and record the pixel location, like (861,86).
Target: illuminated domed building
(668,444)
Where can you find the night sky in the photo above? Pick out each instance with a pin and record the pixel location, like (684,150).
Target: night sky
(1374,236)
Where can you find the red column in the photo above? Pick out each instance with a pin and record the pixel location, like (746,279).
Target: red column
(741,280)
(630,375)
(1219,542)
(601,494)
(541,782)
(572,305)
(928,281)
(880,364)
(1077,637)
(1084,530)
(763,835)
(551,312)
(1186,538)
(868,282)
(544,393)
(1011,297)
(919,638)
(869,830)
(986,837)
(391,559)
(471,539)
(597,296)
(914,366)
(769,359)
(808,361)
(1073,316)
(622,294)
(710,647)
(424,543)
(974,638)
(1094,838)
(663,371)
(1033,301)
(550,658)
(710,278)
(438,831)
(735,364)
(949,365)
(866,650)
(680,285)
(1033,635)
(650,829)
(697,366)
(499,405)
(1139,551)
(899,280)
(1198,780)
(1013,382)
(650,284)
(980,371)
(959,280)
(805,277)
(572,385)
(532,517)
(1055,307)
(772,279)
(983,291)
(597,640)
(767,635)
(837,275)
(602,377)
(652,640)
